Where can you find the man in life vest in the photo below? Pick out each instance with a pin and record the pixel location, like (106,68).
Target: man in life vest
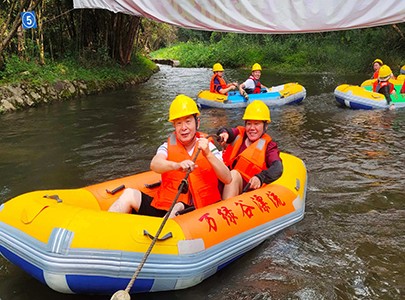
(383,86)
(377,63)
(172,160)
(251,154)
(252,85)
(218,84)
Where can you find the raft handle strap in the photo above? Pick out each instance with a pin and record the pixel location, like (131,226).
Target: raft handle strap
(153,185)
(165,237)
(54,197)
(297,184)
(116,190)
(184,211)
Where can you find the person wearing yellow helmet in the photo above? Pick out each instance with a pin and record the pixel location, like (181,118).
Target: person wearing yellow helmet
(251,154)
(252,85)
(184,150)
(383,86)
(218,83)
(377,63)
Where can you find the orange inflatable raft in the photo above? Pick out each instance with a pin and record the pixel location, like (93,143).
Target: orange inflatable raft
(67,239)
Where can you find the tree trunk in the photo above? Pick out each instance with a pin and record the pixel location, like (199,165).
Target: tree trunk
(398,30)
(40,35)
(6,35)
(125,29)
(20,42)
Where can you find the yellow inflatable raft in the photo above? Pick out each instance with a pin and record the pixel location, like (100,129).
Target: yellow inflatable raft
(67,239)
(289,93)
(362,97)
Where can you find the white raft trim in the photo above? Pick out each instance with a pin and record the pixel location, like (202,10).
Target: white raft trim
(57,282)
(60,240)
(191,246)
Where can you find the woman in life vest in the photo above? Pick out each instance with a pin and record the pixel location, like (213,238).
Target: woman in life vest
(377,63)
(252,85)
(172,160)
(218,84)
(250,153)
(383,86)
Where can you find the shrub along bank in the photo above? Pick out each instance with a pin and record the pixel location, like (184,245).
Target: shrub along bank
(351,51)
(27,84)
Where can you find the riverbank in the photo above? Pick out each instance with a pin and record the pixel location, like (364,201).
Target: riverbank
(29,85)
(349,52)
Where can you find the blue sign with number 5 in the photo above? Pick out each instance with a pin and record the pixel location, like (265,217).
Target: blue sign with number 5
(29,20)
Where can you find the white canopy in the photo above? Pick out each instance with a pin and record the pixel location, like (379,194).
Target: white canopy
(260,16)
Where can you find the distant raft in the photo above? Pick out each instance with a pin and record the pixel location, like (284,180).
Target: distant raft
(289,93)
(69,241)
(362,97)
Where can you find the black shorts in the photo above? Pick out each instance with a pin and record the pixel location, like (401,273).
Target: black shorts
(147,209)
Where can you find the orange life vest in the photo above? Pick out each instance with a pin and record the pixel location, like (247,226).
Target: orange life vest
(252,160)
(213,86)
(375,75)
(203,182)
(377,85)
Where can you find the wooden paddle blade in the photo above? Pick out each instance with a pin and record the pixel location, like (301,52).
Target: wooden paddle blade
(121,295)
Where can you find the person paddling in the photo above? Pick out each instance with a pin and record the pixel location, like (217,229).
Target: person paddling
(252,85)
(218,84)
(383,86)
(173,159)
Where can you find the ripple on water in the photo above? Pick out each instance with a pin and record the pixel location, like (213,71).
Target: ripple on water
(350,245)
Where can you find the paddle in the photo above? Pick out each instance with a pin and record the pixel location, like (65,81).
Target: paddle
(246,188)
(124,294)
(245,95)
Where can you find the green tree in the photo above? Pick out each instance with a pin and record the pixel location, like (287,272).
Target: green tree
(10,17)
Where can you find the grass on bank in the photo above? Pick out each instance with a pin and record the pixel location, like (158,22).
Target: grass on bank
(338,52)
(111,73)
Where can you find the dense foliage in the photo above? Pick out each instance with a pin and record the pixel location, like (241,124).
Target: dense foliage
(99,40)
(342,51)
(68,69)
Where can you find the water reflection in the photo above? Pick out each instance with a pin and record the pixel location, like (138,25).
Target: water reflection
(351,242)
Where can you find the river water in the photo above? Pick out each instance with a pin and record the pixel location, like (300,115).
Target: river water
(351,243)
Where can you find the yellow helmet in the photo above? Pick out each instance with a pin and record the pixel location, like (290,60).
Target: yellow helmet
(256,67)
(217,68)
(402,71)
(257,110)
(385,71)
(377,60)
(182,106)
